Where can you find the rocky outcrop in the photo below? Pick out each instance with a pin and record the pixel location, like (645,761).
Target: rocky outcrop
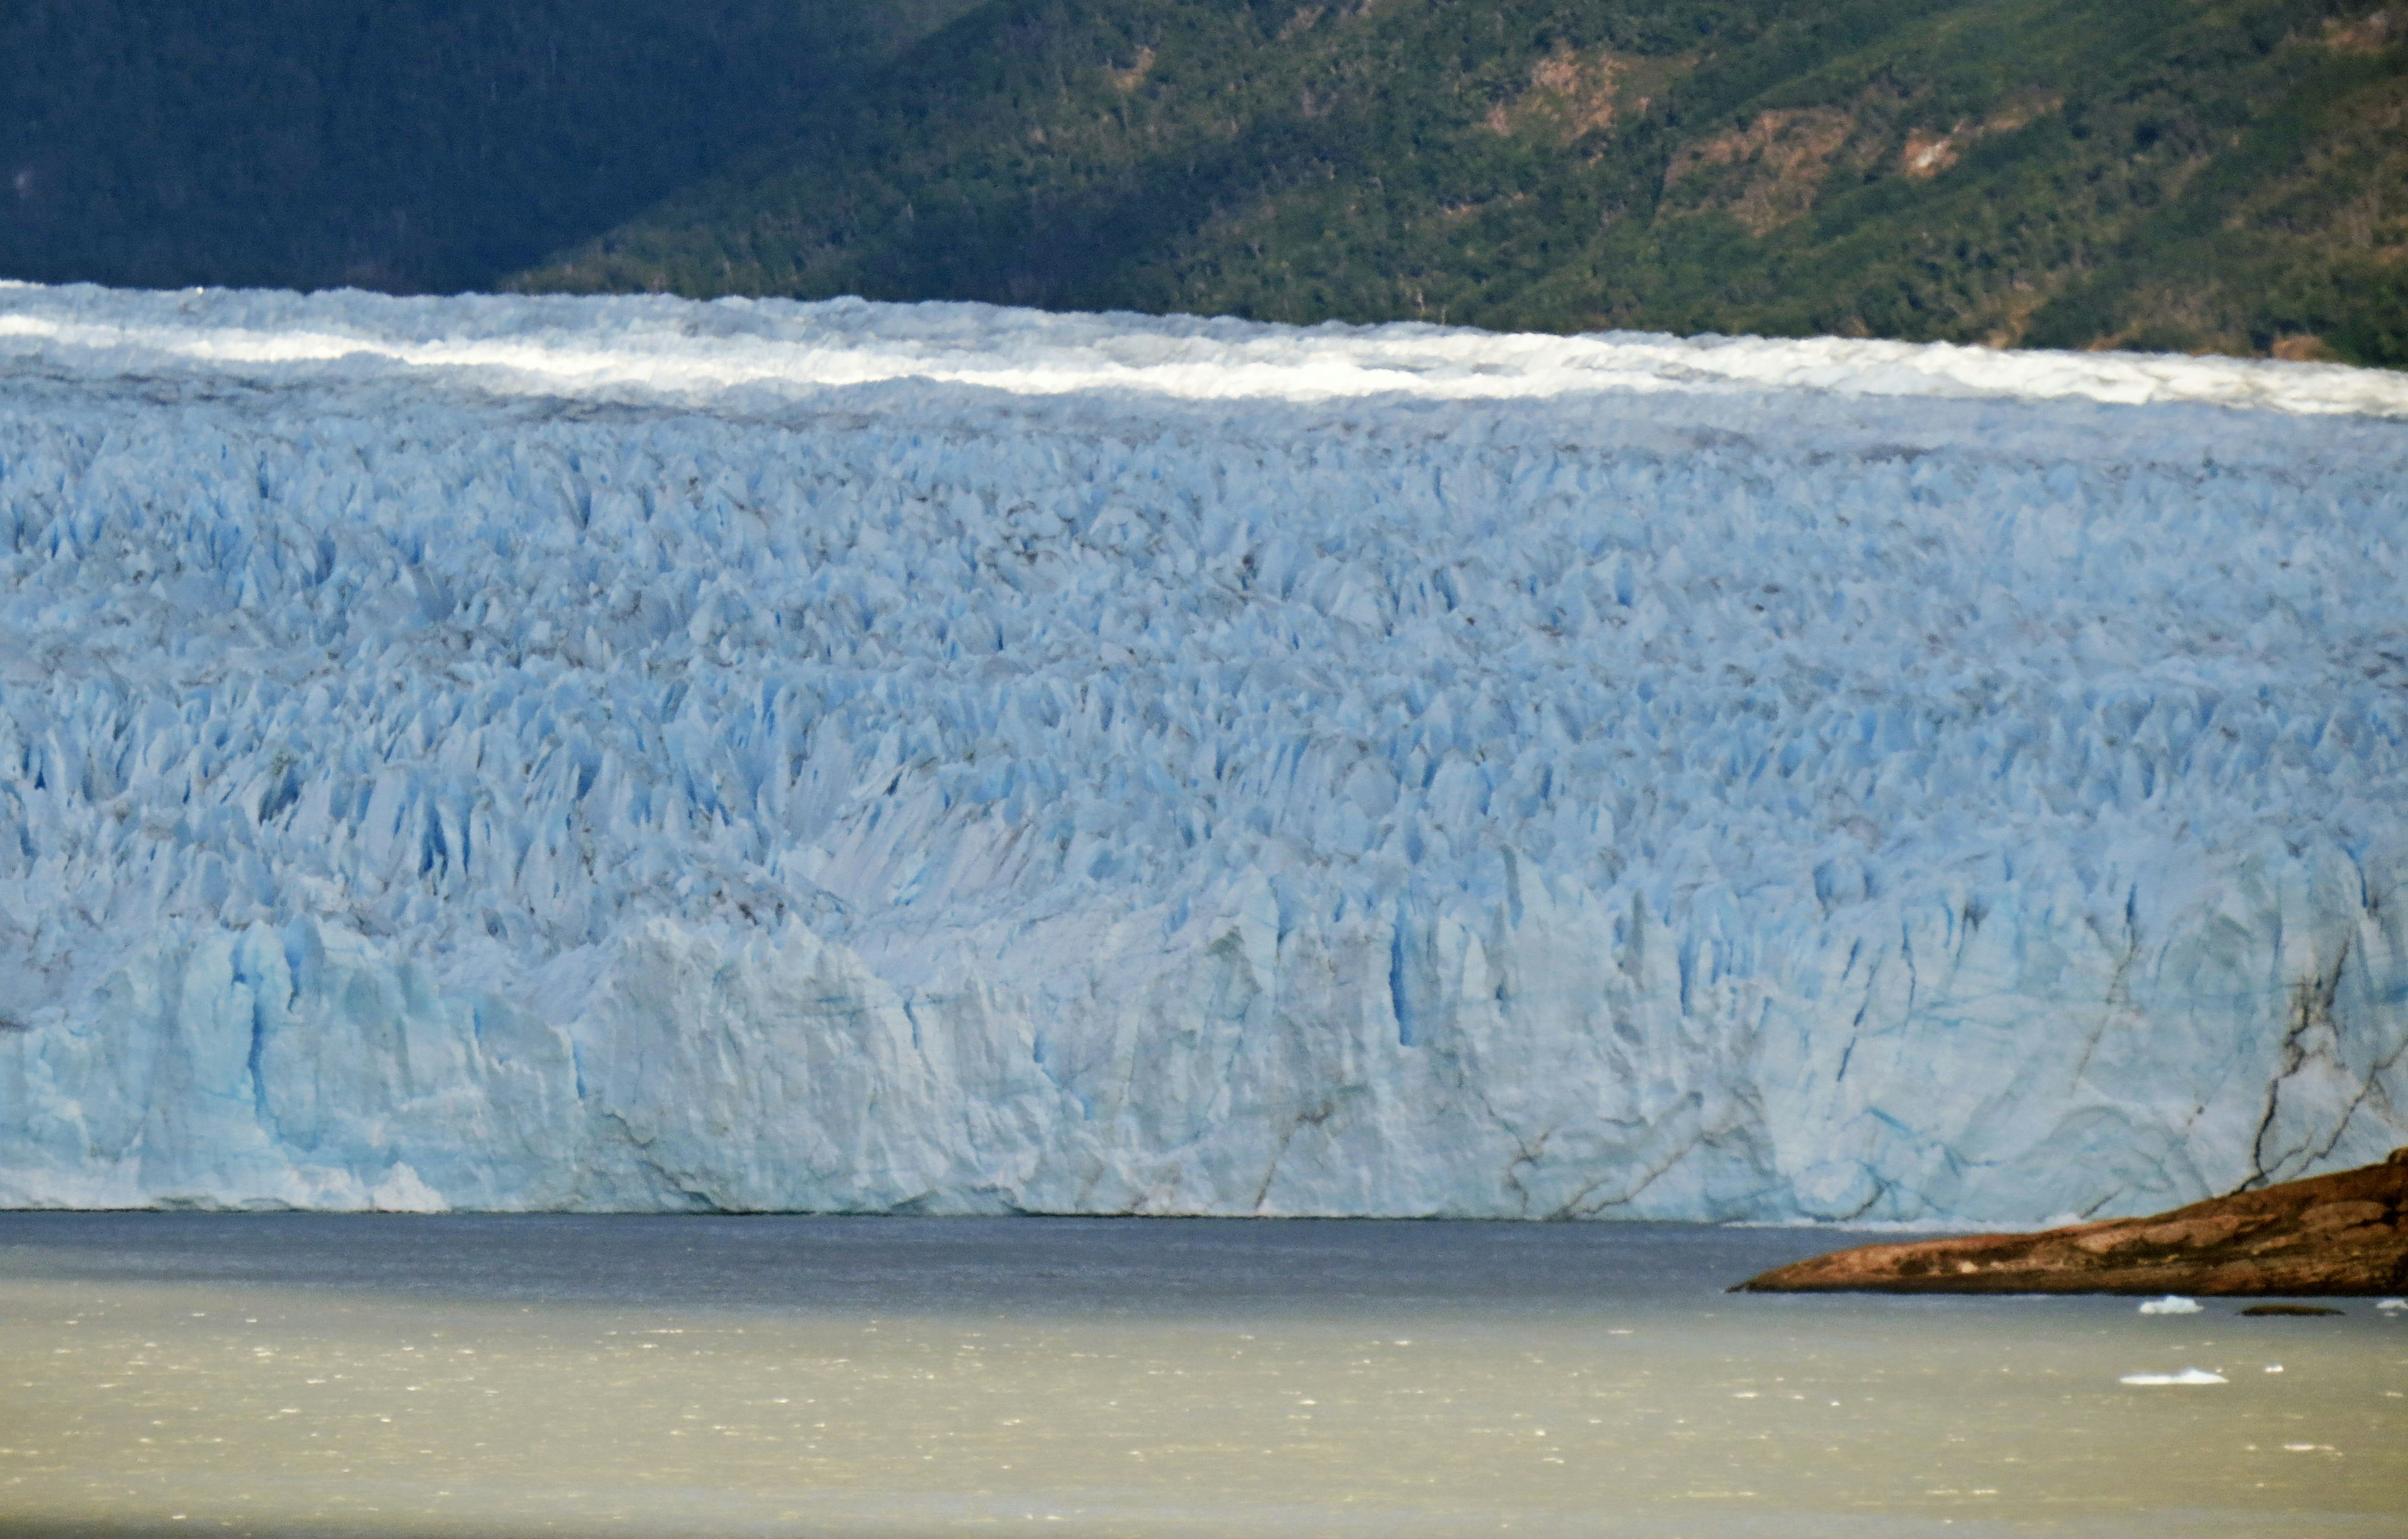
(2344,1233)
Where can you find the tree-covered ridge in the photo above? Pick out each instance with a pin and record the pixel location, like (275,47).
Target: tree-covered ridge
(2228,175)
(404,145)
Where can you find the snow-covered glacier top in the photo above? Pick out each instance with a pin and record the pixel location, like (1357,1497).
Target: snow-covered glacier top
(637,754)
(667,350)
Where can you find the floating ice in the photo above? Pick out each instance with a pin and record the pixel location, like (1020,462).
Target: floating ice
(2189,1375)
(2170,1304)
(496,753)
(2390,1307)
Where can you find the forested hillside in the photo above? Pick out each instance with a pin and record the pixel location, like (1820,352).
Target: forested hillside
(2228,175)
(404,145)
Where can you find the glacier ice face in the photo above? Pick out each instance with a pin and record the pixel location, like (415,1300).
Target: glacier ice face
(636,755)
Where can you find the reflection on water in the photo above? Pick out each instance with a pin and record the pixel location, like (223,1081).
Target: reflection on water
(313,1376)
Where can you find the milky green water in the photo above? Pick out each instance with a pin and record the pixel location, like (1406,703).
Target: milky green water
(625,1376)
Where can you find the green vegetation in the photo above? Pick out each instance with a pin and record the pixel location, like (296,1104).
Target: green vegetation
(398,144)
(2226,175)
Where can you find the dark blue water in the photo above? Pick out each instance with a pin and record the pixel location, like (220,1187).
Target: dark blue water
(1093,1265)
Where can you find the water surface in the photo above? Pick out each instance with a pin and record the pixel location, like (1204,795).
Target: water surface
(297,1374)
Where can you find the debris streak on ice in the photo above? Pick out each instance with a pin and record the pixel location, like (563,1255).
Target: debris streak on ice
(512,753)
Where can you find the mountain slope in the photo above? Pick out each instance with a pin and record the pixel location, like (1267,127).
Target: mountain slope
(416,145)
(2228,175)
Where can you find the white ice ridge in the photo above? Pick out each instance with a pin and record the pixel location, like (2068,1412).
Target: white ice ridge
(628,753)
(653,350)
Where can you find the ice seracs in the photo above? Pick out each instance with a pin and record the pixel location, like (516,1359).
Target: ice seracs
(495,753)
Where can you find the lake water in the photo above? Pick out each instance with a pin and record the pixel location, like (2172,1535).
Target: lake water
(297,1374)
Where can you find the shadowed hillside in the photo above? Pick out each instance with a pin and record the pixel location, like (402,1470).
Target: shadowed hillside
(410,145)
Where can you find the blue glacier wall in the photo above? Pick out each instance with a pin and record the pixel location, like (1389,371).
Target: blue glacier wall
(630,755)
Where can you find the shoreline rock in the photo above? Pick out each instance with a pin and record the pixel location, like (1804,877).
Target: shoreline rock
(2339,1235)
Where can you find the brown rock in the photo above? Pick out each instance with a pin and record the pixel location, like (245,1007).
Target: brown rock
(2344,1233)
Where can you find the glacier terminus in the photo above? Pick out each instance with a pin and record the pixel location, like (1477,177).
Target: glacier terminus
(634,755)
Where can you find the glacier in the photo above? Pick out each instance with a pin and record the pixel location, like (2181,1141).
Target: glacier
(508,754)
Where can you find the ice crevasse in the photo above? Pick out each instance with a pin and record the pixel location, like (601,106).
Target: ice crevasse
(629,753)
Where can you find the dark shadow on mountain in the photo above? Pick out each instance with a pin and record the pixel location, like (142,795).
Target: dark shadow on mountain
(413,146)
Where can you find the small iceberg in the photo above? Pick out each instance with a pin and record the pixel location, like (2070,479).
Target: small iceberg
(2172,1304)
(2189,1375)
(2391,1306)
